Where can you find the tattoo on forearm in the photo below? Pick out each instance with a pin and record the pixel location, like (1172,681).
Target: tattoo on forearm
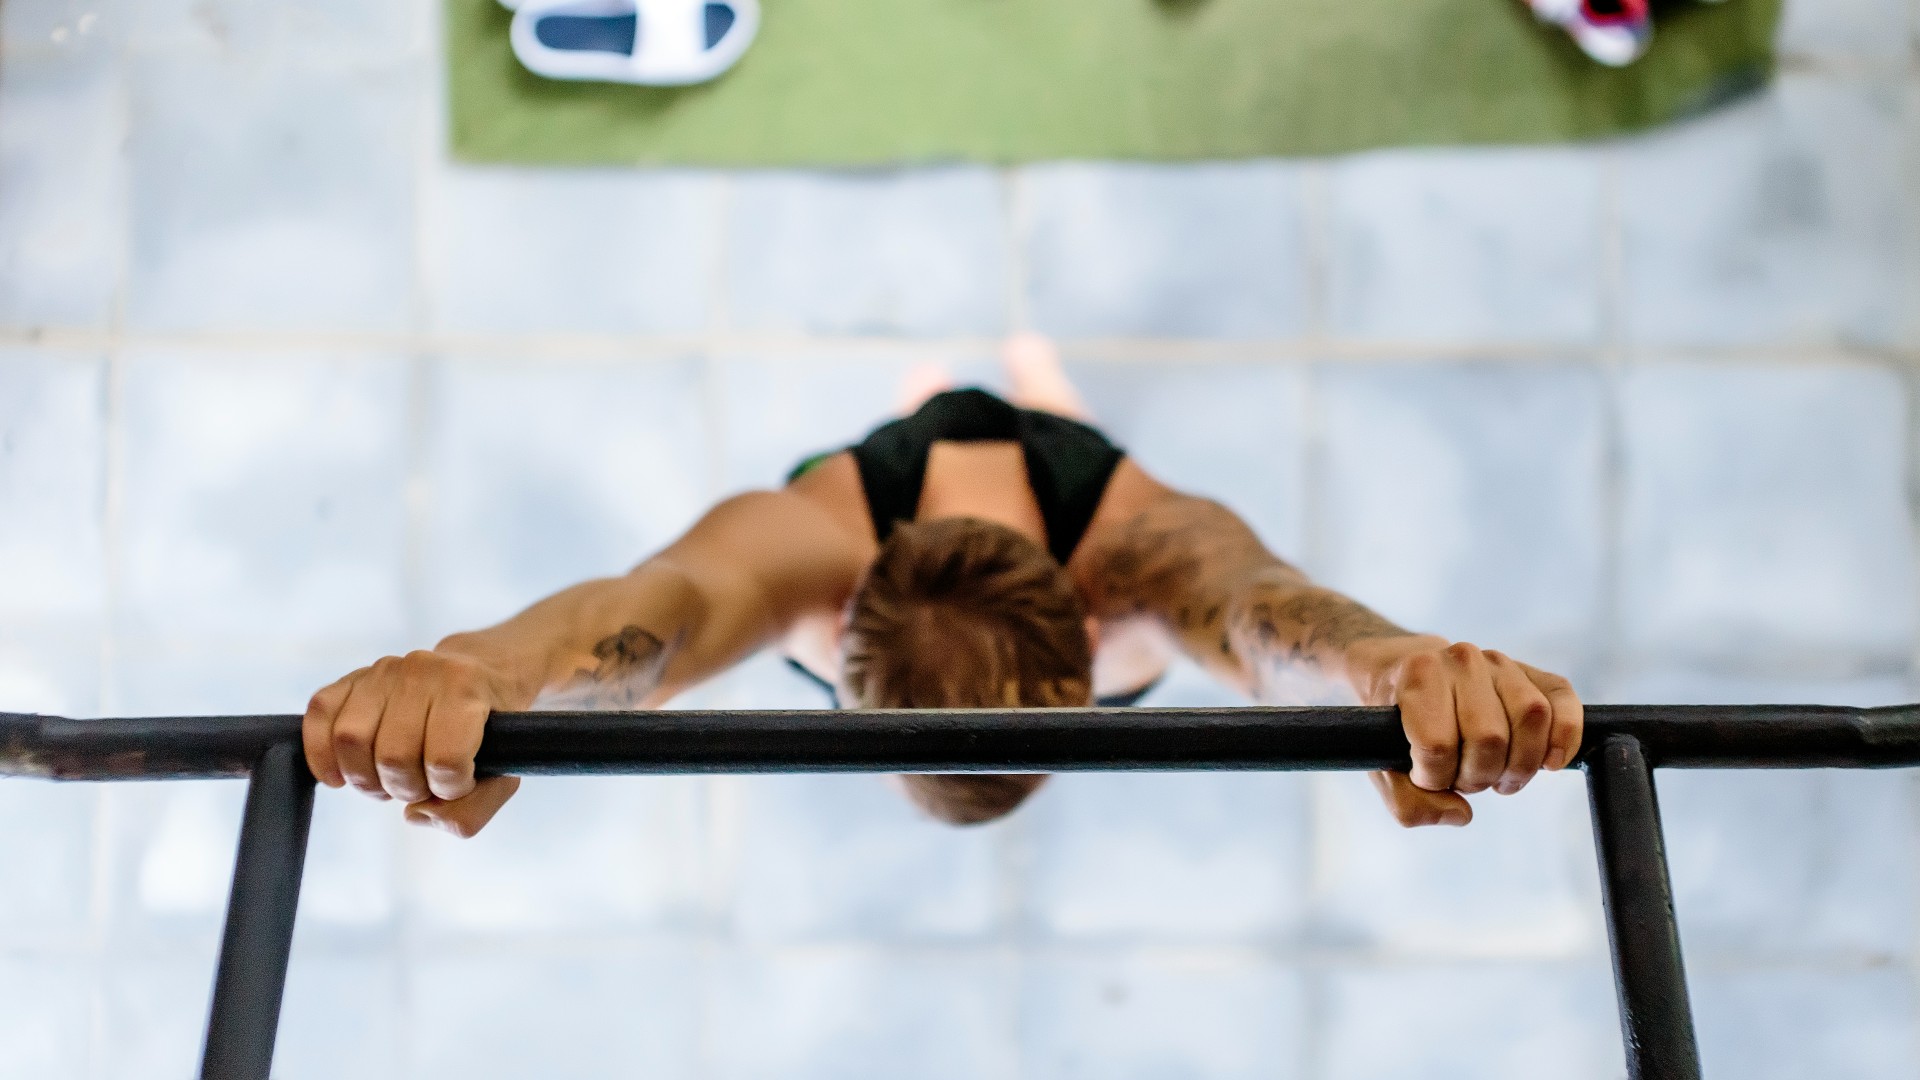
(1186,562)
(1196,565)
(1287,640)
(1300,627)
(628,667)
(1178,563)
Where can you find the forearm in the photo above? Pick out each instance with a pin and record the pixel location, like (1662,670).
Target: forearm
(1276,628)
(605,643)
(1233,606)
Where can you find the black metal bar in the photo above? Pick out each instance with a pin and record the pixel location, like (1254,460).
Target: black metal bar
(1655,1020)
(1035,740)
(252,975)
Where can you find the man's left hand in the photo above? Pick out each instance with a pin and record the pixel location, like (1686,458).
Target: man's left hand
(1475,719)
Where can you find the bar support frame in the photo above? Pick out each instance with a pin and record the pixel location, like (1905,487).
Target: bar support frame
(1622,745)
(251,978)
(1656,1021)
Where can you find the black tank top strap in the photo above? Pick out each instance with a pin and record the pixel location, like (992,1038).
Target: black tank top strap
(1068,466)
(1068,463)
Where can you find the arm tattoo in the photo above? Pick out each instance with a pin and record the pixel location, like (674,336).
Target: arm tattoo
(1197,567)
(628,667)
(1302,627)
(1186,563)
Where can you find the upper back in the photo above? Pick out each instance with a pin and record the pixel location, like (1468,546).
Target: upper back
(1065,465)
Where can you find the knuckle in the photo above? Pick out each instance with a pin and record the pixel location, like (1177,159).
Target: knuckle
(1535,714)
(1487,742)
(1460,652)
(347,738)
(1420,667)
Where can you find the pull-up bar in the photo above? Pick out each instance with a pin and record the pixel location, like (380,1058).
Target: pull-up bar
(1622,745)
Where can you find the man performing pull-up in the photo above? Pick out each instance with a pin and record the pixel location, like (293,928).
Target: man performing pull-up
(977,553)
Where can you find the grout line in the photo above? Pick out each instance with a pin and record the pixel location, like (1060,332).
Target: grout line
(1315,545)
(1313,863)
(1316,209)
(468,348)
(421,363)
(1910,384)
(713,348)
(1836,66)
(1312,1019)
(718,853)
(1589,951)
(1016,217)
(1605,659)
(111,509)
(417,497)
(422,372)
(720,265)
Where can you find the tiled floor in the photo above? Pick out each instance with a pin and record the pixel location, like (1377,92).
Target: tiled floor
(281,390)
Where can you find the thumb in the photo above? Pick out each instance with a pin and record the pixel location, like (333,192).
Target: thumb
(1413,806)
(469,813)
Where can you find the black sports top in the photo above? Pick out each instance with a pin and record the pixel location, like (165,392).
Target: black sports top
(1068,463)
(1068,466)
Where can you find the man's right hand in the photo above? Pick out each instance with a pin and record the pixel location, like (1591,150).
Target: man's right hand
(407,728)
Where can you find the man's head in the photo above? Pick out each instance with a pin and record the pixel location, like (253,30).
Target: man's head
(961,613)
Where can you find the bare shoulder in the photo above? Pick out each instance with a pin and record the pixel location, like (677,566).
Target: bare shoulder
(1130,492)
(833,487)
(1149,541)
(793,550)
(1133,498)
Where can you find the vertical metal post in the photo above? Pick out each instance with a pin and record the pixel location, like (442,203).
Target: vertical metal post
(252,975)
(1655,1019)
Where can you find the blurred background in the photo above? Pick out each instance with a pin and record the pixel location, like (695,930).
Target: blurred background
(283,389)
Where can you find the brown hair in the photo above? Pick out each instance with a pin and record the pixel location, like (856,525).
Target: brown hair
(962,613)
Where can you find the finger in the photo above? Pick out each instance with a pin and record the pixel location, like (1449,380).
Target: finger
(354,729)
(1414,806)
(1529,719)
(316,730)
(397,745)
(1569,717)
(1483,722)
(1426,712)
(454,729)
(466,816)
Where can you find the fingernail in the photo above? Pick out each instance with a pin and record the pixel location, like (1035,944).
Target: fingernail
(1507,787)
(1453,818)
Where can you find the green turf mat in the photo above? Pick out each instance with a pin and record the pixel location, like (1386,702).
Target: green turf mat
(855,82)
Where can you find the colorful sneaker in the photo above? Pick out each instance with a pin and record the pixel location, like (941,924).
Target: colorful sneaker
(1613,32)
